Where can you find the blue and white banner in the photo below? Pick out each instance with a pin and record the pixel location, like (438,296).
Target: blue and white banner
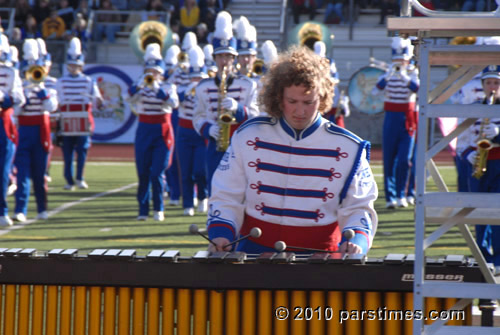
(114,122)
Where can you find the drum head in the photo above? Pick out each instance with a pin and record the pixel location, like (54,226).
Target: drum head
(360,89)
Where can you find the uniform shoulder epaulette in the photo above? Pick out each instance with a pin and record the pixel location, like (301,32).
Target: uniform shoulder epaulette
(257,120)
(332,128)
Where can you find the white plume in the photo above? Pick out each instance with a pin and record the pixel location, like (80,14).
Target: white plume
(30,50)
(172,53)
(14,54)
(41,46)
(196,57)
(75,47)
(152,52)
(242,27)
(269,52)
(189,41)
(320,48)
(223,26)
(208,51)
(399,43)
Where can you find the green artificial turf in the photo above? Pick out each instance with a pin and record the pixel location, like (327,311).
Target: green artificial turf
(109,220)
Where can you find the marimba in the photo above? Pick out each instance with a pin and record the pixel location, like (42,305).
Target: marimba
(119,292)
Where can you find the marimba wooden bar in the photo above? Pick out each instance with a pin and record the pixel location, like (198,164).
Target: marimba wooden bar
(119,292)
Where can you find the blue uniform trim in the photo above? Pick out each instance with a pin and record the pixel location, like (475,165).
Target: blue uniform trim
(181,96)
(413,86)
(133,89)
(330,174)
(257,120)
(7,102)
(292,192)
(205,130)
(296,213)
(42,94)
(296,151)
(162,94)
(381,84)
(299,135)
(240,114)
(334,129)
(357,161)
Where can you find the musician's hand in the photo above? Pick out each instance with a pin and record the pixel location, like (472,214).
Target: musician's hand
(229,104)
(2,95)
(344,106)
(220,242)
(350,248)
(490,131)
(213,131)
(471,157)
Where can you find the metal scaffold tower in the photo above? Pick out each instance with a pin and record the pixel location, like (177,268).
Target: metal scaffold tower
(453,209)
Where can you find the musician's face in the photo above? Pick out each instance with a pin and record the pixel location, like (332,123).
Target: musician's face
(246,61)
(490,85)
(225,59)
(300,106)
(74,69)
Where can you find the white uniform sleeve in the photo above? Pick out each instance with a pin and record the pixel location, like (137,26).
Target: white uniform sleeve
(229,184)
(357,208)
(96,94)
(173,100)
(51,103)
(251,102)
(200,116)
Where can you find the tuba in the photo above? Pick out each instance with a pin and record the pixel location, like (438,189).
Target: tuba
(224,117)
(310,32)
(483,145)
(36,74)
(149,32)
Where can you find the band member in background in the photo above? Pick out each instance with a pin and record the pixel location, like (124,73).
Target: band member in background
(190,145)
(34,134)
(487,131)
(171,60)
(180,78)
(154,139)
(11,96)
(246,45)
(77,93)
(267,180)
(340,107)
(269,54)
(238,100)
(400,121)
(50,83)
(208,50)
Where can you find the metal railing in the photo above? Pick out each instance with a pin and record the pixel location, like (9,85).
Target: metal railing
(407,5)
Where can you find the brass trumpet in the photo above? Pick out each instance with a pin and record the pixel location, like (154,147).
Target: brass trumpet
(36,74)
(483,145)
(258,67)
(149,79)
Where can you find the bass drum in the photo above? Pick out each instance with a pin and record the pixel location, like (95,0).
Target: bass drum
(360,89)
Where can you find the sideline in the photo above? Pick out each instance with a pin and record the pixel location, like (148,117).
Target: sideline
(65,206)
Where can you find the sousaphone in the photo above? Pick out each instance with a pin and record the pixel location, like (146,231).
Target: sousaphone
(150,32)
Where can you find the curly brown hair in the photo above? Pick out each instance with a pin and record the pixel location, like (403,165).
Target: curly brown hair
(297,66)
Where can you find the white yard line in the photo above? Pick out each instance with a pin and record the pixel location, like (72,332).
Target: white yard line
(63,207)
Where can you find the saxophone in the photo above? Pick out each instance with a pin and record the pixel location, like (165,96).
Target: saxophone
(483,145)
(224,117)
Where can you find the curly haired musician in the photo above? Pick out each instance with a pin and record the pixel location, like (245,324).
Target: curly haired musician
(240,99)
(488,130)
(295,175)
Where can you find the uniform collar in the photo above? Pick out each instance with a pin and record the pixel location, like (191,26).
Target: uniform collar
(300,134)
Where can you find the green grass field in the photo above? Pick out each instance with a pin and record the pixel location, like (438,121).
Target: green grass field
(104,216)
